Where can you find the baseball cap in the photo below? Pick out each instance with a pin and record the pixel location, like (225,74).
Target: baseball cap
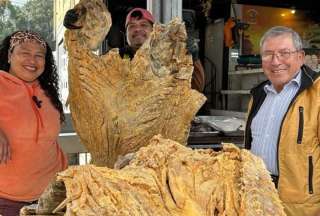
(139,13)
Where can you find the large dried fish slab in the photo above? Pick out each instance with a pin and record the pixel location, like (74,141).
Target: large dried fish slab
(118,105)
(167,178)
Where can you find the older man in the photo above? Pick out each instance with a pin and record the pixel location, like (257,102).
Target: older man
(139,25)
(283,122)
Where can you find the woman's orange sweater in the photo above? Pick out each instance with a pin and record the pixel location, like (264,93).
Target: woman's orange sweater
(32,133)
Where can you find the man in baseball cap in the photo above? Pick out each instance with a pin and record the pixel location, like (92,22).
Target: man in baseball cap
(138,25)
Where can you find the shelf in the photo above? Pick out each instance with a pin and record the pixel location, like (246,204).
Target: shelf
(250,71)
(241,79)
(240,115)
(228,92)
(214,142)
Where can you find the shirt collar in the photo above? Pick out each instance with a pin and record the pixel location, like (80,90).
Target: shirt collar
(296,81)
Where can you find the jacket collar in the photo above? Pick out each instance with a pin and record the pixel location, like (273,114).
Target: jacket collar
(308,76)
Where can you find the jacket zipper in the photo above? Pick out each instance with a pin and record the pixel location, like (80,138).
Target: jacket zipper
(280,129)
(310,175)
(300,129)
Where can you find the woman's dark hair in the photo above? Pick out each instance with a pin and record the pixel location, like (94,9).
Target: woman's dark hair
(48,79)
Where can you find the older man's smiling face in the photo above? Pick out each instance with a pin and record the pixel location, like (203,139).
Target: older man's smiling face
(280,60)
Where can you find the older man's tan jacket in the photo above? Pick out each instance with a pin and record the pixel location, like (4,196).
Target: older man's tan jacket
(298,145)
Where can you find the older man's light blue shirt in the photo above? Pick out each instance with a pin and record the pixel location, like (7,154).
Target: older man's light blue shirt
(266,124)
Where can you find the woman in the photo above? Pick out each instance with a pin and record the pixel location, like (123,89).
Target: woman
(30,118)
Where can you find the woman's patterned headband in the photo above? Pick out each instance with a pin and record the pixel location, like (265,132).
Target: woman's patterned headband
(24,36)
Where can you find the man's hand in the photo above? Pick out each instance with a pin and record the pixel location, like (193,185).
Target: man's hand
(193,48)
(5,152)
(123,161)
(71,17)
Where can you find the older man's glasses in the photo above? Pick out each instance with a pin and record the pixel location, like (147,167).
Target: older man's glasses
(281,55)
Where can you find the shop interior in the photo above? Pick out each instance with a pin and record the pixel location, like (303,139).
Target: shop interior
(228,33)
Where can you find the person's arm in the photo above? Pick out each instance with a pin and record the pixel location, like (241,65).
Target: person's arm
(5,152)
(198,80)
(198,77)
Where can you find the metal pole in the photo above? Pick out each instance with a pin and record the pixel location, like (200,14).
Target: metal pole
(155,8)
(171,9)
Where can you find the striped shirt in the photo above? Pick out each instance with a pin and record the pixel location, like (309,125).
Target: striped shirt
(266,124)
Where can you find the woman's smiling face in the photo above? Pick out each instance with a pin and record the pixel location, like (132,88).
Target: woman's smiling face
(27,61)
